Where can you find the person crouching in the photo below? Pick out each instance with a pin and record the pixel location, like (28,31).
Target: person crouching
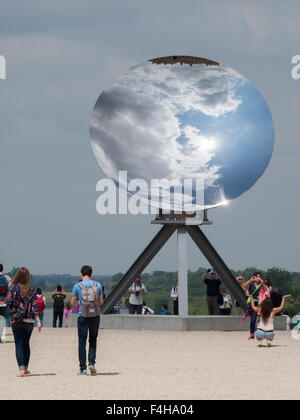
(266,312)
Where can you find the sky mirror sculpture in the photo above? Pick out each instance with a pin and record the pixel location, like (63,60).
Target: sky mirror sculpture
(183,117)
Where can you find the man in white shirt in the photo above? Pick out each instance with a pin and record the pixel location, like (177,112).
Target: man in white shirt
(4,286)
(174,296)
(136,297)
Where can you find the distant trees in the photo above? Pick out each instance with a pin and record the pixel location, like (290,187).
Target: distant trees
(281,279)
(159,284)
(116,277)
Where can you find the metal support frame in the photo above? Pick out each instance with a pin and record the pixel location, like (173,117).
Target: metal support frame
(154,247)
(183,298)
(138,266)
(218,264)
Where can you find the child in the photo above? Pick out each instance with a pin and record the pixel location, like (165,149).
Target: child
(68,312)
(225,308)
(266,312)
(164,309)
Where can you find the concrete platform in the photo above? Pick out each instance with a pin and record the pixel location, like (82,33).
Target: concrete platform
(176,323)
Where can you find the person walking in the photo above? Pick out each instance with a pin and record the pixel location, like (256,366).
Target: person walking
(41,305)
(174,295)
(22,302)
(8,321)
(89,295)
(266,312)
(68,313)
(58,306)
(212,291)
(136,297)
(5,282)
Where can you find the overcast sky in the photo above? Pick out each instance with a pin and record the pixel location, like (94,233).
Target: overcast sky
(61,55)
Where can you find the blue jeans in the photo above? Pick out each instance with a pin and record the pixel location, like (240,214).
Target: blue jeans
(41,316)
(22,334)
(264,335)
(8,318)
(87,327)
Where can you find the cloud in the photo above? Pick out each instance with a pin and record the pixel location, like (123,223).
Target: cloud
(207,89)
(132,133)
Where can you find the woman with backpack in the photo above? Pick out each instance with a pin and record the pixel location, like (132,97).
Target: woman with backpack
(41,300)
(23,305)
(89,295)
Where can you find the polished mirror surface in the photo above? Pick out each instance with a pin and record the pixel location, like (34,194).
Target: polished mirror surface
(180,118)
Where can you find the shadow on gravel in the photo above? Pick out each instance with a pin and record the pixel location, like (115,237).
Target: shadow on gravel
(107,374)
(39,374)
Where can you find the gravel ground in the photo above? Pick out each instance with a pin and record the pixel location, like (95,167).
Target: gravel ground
(163,365)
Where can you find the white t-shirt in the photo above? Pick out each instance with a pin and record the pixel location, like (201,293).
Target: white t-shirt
(133,298)
(174,292)
(268,325)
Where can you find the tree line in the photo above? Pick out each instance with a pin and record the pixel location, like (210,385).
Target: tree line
(160,283)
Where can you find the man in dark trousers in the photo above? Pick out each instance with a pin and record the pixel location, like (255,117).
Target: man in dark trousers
(89,294)
(58,306)
(136,296)
(213,285)
(174,296)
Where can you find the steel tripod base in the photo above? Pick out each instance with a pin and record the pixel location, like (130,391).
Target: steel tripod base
(155,246)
